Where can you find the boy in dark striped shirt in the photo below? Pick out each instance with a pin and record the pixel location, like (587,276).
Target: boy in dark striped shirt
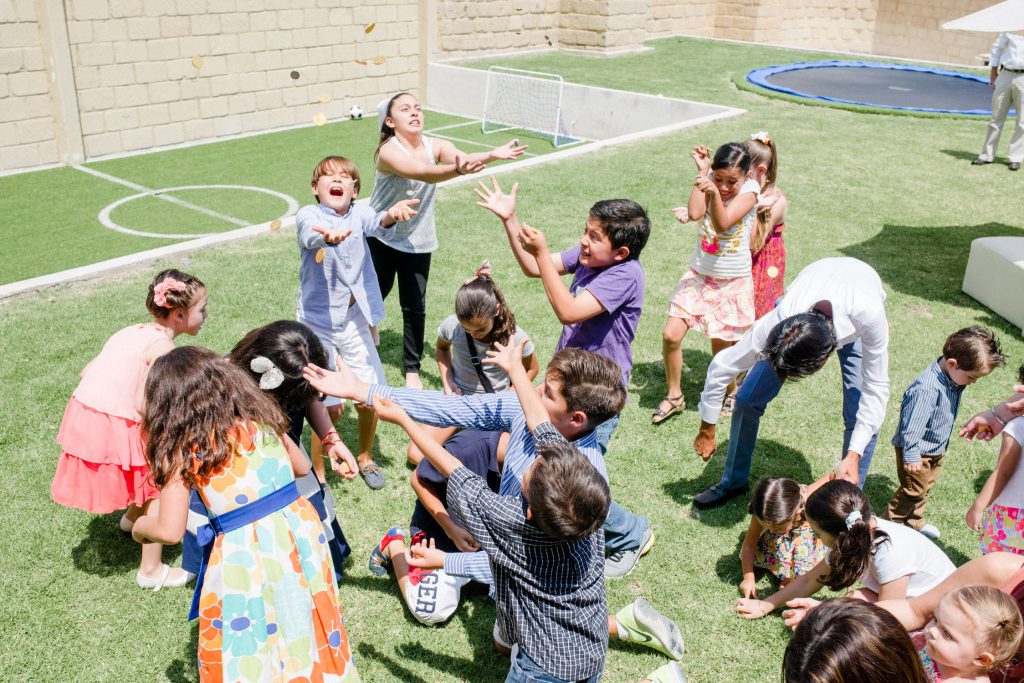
(546,548)
(927,417)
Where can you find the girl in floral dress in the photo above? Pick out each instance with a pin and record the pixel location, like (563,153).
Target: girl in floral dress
(779,539)
(267,601)
(998,511)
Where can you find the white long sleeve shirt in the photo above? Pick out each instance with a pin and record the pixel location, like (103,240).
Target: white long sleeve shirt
(858,312)
(1008,51)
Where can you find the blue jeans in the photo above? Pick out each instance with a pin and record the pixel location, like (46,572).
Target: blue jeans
(622,529)
(757,391)
(525,670)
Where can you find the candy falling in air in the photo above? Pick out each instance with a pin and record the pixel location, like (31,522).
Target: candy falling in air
(320,255)
(410,192)
(319,118)
(369,28)
(275,225)
(379,59)
(294,75)
(197,62)
(325,99)
(362,61)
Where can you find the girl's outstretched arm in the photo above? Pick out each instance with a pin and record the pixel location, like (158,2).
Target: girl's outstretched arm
(443,461)
(393,160)
(509,358)
(510,150)
(164,521)
(1009,459)
(803,586)
(748,586)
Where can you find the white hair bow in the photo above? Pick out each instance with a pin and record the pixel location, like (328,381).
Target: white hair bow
(271,376)
(761,136)
(853,518)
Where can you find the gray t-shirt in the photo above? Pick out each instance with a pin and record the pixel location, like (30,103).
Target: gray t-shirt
(466,379)
(418,235)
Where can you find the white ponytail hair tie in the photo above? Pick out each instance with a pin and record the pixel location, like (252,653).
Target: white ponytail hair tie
(271,376)
(853,518)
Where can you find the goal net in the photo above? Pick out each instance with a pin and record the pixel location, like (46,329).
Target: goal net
(525,100)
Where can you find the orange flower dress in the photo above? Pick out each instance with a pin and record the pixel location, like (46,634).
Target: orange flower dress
(269,608)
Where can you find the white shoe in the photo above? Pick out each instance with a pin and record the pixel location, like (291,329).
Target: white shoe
(931,531)
(158,583)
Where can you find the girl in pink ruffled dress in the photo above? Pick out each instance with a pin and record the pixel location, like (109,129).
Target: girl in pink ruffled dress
(102,467)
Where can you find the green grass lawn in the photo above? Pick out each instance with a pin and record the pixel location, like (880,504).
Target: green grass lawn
(896,191)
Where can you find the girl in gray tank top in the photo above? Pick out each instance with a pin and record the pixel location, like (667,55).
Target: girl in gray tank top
(409,165)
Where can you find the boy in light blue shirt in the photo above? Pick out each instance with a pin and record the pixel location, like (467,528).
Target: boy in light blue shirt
(339,298)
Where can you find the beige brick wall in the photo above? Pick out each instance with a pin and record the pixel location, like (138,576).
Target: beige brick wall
(138,86)
(478,26)
(27,136)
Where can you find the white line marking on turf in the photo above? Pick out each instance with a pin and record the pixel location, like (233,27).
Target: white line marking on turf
(452,125)
(107,222)
(157,193)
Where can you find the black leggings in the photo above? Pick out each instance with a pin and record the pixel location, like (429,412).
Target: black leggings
(412,271)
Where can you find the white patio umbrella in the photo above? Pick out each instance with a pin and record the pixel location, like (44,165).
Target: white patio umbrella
(1006,16)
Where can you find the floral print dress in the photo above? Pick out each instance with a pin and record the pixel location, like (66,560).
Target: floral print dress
(787,556)
(269,609)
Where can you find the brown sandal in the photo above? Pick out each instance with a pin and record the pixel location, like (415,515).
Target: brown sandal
(675,405)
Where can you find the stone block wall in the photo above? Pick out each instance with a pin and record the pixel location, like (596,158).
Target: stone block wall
(488,26)
(162,72)
(27,136)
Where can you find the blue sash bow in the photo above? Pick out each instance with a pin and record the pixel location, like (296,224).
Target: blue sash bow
(236,519)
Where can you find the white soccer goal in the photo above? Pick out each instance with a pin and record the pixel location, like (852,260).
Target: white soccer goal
(515,99)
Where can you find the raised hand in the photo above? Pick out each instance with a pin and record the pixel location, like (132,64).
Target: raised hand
(704,184)
(510,150)
(342,383)
(402,211)
(332,237)
(701,156)
(464,165)
(682,214)
(505,355)
(494,200)
(533,241)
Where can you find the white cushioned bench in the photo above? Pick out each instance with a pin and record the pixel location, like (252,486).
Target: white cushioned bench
(995,276)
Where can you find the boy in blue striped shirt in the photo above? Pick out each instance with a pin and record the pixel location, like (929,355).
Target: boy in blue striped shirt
(927,417)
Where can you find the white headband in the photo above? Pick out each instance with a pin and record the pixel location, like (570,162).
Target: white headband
(271,376)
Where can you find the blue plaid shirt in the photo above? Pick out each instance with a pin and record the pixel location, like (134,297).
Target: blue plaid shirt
(927,414)
(493,412)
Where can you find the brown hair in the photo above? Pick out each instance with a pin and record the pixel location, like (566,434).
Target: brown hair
(386,131)
(327,166)
(995,617)
(481,298)
(829,507)
(841,641)
(290,346)
(776,500)
(568,497)
(974,348)
(763,153)
(179,297)
(591,384)
(195,400)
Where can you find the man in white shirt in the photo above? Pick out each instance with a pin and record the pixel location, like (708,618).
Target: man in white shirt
(1006,78)
(834,303)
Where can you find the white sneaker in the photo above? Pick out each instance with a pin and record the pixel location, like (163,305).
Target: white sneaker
(931,531)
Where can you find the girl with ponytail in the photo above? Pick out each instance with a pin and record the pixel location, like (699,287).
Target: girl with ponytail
(889,559)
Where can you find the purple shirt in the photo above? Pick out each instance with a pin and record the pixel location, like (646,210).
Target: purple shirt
(620,289)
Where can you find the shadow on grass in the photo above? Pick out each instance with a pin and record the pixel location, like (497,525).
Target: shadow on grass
(939,257)
(979,481)
(878,489)
(649,379)
(186,669)
(960,154)
(108,551)
(771,459)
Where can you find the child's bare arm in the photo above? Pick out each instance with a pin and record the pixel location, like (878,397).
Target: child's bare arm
(504,207)
(724,217)
(568,308)
(443,461)
(443,356)
(1009,459)
(698,203)
(748,586)
(463,540)
(164,521)
(509,358)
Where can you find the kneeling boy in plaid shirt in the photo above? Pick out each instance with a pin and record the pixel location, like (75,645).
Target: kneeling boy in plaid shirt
(546,548)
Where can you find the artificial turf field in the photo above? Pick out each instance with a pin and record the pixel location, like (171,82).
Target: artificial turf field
(895,191)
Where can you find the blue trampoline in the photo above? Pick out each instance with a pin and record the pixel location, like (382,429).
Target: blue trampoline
(880,84)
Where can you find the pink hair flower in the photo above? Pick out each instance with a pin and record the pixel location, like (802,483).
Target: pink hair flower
(165,287)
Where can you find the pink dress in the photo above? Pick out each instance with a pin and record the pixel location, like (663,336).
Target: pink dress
(768,272)
(102,467)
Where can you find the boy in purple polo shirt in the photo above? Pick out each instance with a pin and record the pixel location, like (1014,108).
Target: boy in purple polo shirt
(599,312)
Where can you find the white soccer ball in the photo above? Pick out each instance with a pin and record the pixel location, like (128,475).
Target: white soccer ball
(356,112)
